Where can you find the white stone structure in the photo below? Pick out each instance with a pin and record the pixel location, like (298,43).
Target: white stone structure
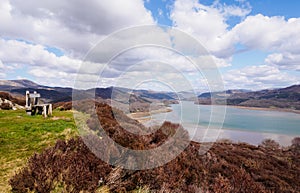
(34,107)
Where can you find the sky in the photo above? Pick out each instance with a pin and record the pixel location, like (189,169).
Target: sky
(255,44)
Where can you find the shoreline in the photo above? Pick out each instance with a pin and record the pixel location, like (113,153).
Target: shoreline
(145,116)
(236,135)
(266,109)
(257,108)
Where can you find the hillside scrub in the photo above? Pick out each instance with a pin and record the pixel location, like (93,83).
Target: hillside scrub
(227,167)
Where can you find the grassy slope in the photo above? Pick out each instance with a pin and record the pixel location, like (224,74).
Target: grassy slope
(22,135)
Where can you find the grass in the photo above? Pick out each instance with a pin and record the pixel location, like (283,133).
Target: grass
(22,135)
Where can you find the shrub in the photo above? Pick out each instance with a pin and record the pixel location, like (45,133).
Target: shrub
(270,144)
(296,142)
(226,167)
(5,106)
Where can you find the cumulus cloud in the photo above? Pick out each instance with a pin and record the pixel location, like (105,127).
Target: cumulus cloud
(258,77)
(286,61)
(208,23)
(205,23)
(67,25)
(17,52)
(63,25)
(76,27)
(270,33)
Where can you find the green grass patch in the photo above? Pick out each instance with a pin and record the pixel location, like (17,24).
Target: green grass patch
(22,135)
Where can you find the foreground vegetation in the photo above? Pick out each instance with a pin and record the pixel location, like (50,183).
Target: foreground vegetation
(69,166)
(22,135)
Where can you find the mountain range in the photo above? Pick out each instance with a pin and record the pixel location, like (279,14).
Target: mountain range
(288,97)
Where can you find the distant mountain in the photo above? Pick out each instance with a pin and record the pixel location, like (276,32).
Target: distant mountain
(60,94)
(288,97)
(226,93)
(23,83)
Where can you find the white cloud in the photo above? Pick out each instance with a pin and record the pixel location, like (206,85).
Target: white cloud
(205,23)
(72,30)
(236,11)
(272,34)
(276,34)
(16,52)
(73,27)
(208,24)
(258,77)
(269,33)
(286,61)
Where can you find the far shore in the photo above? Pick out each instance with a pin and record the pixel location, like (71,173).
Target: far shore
(258,108)
(266,109)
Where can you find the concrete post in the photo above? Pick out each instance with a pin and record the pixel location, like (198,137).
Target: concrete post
(45,111)
(28,104)
(27,99)
(50,110)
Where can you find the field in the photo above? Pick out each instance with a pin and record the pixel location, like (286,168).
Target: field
(22,135)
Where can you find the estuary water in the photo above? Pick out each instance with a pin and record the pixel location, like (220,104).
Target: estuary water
(209,123)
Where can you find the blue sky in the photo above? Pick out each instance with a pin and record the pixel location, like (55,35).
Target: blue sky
(286,8)
(254,42)
(161,11)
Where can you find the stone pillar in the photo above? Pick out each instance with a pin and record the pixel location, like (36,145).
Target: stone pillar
(50,110)
(28,103)
(45,111)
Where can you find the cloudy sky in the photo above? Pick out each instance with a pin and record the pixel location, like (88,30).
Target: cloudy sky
(254,43)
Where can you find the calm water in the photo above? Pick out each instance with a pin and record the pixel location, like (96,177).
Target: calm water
(239,124)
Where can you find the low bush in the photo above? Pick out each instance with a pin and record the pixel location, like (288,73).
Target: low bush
(226,167)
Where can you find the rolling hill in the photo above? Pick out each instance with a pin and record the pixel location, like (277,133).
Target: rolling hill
(288,97)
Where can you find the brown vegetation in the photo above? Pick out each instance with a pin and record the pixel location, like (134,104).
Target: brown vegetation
(226,167)
(5,106)
(17,100)
(63,106)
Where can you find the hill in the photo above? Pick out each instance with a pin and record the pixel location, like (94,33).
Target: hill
(22,83)
(139,99)
(288,98)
